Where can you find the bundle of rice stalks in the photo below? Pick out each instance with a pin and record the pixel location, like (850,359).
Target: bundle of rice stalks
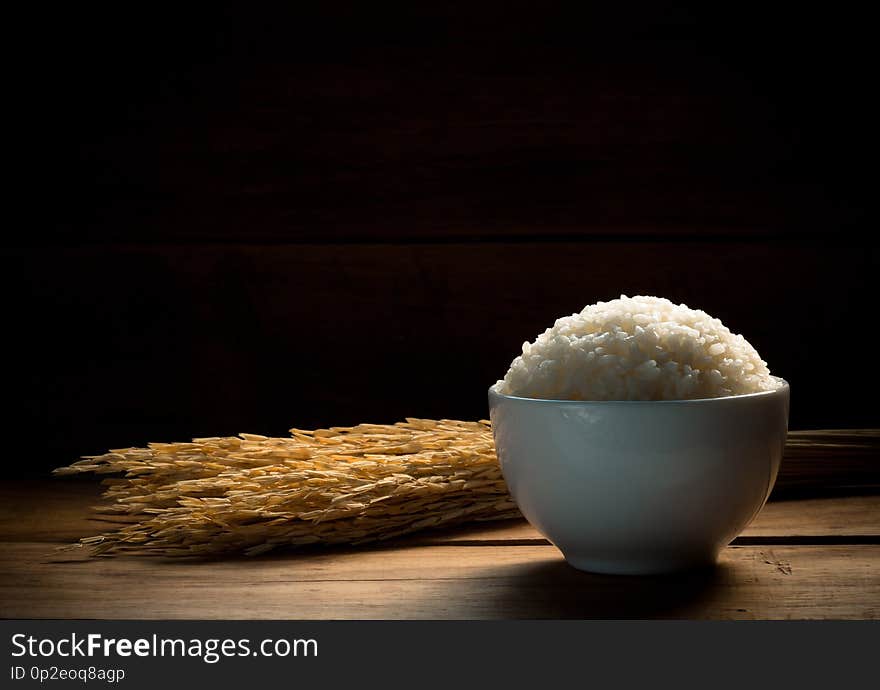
(343,485)
(831,458)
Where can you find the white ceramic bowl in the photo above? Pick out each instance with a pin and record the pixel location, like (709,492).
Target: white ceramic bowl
(638,487)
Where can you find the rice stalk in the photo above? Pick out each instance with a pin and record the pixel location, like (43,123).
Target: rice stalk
(344,485)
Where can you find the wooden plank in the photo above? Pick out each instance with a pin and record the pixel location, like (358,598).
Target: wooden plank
(167,343)
(498,571)
(445,121)
(45,510)
(373,150)
(841,517)
(821,518)
(442,582)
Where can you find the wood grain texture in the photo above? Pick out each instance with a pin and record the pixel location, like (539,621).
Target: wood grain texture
(48,511)
(492,571)
(781,521)
(440,582)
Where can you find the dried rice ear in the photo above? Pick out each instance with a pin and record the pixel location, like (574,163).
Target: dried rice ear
(343,485)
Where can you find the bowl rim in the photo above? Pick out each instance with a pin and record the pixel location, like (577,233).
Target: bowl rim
(783,388)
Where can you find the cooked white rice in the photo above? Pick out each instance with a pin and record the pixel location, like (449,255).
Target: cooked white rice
(637,348)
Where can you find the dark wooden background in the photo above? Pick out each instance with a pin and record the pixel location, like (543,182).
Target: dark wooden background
(247,220)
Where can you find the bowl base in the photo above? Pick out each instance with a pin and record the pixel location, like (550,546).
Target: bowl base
(637,566)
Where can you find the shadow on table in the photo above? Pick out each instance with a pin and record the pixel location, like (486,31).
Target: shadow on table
(553,589)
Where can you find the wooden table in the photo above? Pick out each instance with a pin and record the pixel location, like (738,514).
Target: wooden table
(808,558)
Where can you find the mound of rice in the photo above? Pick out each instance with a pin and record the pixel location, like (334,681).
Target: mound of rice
(637,348)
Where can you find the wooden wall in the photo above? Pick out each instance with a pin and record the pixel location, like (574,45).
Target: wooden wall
(251,221)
